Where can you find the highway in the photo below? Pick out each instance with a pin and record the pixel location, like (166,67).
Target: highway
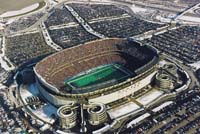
(188,69)
(192,8)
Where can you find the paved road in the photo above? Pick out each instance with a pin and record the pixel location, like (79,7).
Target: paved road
(188,69)
(192,8)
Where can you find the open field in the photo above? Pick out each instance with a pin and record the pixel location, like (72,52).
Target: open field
(98,75)
(11,5)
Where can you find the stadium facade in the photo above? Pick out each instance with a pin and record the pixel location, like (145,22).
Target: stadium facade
(69,76)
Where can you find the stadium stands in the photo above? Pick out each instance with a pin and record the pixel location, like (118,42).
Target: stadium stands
(57,68)
(23,48)
(182,43)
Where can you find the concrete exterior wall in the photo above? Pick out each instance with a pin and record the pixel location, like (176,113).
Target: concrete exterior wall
(105,99)
(124,92)
(52,98)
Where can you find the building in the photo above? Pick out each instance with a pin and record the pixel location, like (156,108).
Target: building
(60,76)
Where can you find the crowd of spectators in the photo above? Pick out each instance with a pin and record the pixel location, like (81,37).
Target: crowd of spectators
(63,67)
(71,36)
(180,117)
(182,43)
(24,22)
(20,49)
(58,16)
(73,61)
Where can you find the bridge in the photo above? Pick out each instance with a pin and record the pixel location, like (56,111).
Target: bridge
(192,8)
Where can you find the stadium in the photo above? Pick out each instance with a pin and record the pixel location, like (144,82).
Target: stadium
(101,71)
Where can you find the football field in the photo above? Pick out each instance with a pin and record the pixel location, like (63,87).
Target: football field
(98,75)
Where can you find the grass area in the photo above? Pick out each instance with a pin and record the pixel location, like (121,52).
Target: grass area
(98,75)
(41,5)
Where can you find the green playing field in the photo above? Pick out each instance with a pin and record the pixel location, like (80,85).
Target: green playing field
(98,75)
